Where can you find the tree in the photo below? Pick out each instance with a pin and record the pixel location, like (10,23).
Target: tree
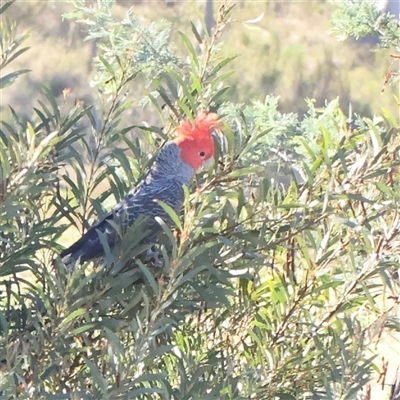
(273,286)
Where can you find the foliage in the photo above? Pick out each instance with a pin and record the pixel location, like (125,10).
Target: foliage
(359,19)
(127,47)
(286,53)
(10,44)
(271,287)
(356,18)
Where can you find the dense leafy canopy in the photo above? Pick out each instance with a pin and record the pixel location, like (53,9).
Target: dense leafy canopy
(281,274)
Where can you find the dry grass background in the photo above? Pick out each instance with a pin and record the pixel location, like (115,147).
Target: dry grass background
(288,53)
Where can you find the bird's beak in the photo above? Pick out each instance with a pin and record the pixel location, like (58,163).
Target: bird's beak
(206,165)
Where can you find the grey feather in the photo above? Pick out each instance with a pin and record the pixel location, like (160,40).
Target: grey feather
(164,182)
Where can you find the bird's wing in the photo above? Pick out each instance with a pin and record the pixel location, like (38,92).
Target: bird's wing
(142,201)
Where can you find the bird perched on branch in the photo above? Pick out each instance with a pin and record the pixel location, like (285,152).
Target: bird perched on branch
(174,167)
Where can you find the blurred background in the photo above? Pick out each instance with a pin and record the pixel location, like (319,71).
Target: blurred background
(286,50)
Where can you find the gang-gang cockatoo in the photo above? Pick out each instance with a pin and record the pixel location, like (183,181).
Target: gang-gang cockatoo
(174,167)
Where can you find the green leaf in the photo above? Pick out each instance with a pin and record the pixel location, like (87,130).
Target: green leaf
(171,213)
(108,66)
(88,327)
(196,33)
(149,277)
(8,79)
(17,54)
(192,52)
(5,6)
(184,86)
(96,375)
(74,315)
(53,102)
(190,275)
(220,65)
(218,94)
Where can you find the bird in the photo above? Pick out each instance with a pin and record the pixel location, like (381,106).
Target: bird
(174,167)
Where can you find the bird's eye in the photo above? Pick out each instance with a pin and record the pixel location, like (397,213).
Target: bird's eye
(202,154)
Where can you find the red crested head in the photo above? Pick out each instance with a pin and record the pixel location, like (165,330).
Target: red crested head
(195,139)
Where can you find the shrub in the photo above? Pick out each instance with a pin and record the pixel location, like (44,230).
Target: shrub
(282,273)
